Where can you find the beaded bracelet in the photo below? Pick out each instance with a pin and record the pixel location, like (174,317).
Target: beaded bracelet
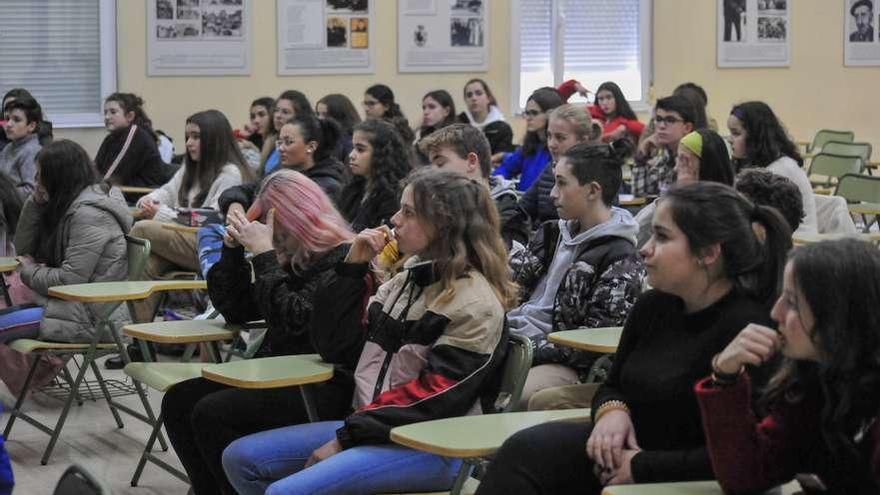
(611,405)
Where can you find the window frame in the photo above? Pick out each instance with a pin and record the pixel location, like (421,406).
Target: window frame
(646,17)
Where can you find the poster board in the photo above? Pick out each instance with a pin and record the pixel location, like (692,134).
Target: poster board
(443,35)
(754,33)
(198,37)
(325,37)
(861,41)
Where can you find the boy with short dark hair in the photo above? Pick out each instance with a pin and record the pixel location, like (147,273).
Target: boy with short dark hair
(17,160)
(653,171)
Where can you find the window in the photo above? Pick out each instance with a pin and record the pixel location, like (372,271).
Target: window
(64,53)
(592,41)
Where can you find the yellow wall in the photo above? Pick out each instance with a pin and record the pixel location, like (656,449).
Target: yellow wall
(169,100)
(815,91)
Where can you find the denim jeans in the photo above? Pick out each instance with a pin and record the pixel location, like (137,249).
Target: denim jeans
(210,246)
(273,462)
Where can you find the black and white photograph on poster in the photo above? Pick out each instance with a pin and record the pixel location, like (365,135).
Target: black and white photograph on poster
(346,6)
(179,30)
(772,29)
(772,6)
(861,21)
(734,18)
(223,3)
(188,14)
(164,9)
(420,36)
(337,34)
(222,23)
(466,7)
(860,31)
(466,31)
(188,3)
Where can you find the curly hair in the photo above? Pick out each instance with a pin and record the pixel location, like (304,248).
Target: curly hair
(389,165)
(130,102)
(763,187)
(766,138)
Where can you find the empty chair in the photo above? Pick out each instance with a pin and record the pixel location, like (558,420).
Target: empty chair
(826,135)
(830,167)
(861,150)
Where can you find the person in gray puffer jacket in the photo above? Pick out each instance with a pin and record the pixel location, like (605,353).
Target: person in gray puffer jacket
(580,271)
(71,230)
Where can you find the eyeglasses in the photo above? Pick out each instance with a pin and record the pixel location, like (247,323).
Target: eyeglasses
(532,113)
(667,120)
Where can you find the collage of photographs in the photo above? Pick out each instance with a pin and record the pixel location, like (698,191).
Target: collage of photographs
(199,20)
(347,24)
(466,22)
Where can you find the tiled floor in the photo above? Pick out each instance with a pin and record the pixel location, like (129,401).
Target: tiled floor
(91,438)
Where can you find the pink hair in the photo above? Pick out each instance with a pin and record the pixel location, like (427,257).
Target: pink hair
(304,211)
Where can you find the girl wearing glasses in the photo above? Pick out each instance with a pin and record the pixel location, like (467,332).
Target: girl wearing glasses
(379,104)
(290,105)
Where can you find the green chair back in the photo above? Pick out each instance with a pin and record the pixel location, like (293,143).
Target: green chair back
(859,188)
(826,135)
(138,251)
(515,369)
(861,150)
(836,165)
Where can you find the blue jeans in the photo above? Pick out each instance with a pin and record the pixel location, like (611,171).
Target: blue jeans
(210,246)
(272,462)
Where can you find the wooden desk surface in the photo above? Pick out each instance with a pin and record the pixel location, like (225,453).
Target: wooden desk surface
(799,239)
(475,436)
(180,228)
(602,340)
(121,291)
(270,372)
(136,190)
(630,200)
(8,264)
(182,331)
(865,208)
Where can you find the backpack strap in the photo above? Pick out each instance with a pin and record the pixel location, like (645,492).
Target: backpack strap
(121,155)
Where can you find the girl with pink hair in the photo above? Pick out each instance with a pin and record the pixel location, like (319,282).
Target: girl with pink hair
(296,237)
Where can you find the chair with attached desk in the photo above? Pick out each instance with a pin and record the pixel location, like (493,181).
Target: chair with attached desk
(7,265)
(862,193)
(824,136)
(826,169)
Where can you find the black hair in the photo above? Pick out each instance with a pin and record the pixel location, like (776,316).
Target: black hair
(621,106)
(324,132)
(763,187)
(715,163)
(342,110)
(599,163)
(385,96)
(65,171)
(697,96)
(268,103)
(301,105)
(766,138)
(680,105)
(445,100)
(16,93)
(10,199)
(861,3)
(217,148)
(547,99)
(492,100)
(130,102)
(389,165)
(710,213)
(29,106)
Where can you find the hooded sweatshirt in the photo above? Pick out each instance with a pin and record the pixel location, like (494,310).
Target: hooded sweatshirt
(494,115)
(571,280)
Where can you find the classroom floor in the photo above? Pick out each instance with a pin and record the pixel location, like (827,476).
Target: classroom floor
(91,438)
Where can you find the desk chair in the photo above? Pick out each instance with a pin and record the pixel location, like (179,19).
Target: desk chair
(826,169)
(862,192)
(824,136)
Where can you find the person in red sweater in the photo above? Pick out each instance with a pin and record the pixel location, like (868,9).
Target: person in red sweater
(825,398)
(610,107)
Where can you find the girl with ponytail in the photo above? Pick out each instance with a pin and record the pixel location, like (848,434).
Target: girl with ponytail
(379,104)
(713,262)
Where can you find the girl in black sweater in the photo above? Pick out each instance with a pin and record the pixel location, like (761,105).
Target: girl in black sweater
(715,261)
(379,161)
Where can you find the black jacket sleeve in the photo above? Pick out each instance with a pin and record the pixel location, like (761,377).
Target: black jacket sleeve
(229,286)
(243,194)
(339,318)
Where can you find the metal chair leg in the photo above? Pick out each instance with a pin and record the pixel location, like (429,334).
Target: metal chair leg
(107,397)
(90,355)
(464,472)
(18,402)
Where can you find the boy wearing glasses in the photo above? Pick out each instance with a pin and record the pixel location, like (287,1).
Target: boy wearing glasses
(653,171)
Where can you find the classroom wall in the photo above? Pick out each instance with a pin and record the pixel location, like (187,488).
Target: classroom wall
(816,91)
(171,99)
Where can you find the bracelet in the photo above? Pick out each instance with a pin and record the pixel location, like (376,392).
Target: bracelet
(608,406)
(721,378)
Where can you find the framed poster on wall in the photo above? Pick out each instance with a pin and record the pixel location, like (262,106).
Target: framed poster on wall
(861,41)
(198,37)
(443,35)
(325,37)
(754,33)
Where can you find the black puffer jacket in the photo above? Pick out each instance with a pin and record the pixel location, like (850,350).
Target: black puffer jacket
(534,208)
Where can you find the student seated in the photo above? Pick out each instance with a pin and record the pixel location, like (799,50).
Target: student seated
(711,275)
(379,161)
(765,188)
(654,167)
(439,328)
(44,127)
(297,239)
(579,271)
(758,139)
(702,155)
(465,150)
(339,108)
(530,159)
(131,147)
(483,113)
(10,209)
(567,126)
(71,231)
(379,103)
(611,108)
(213,164)
(825,398)
(22,116)
(255,137)
(290,105)
(438,111)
